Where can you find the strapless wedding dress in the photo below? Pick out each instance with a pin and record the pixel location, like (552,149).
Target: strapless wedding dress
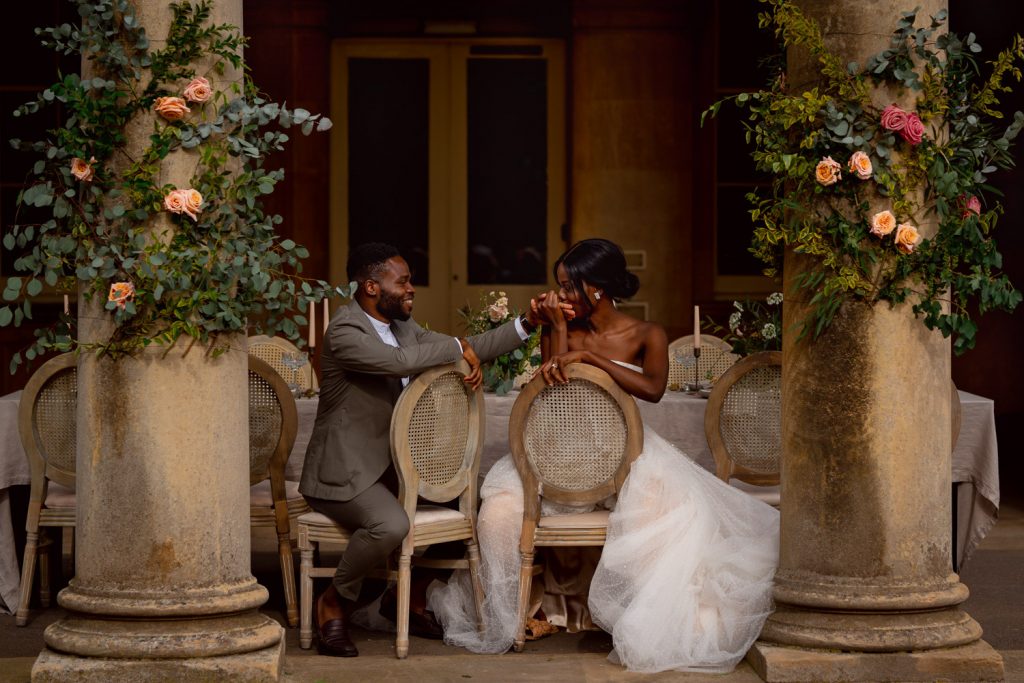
(684,580)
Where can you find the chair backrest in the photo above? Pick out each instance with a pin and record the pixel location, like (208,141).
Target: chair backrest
(437,436)
(271,349)
(273,422)
(574,443)
(47,422)
(716,357)
(743,420)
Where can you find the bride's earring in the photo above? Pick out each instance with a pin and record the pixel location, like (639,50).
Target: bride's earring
(597,295)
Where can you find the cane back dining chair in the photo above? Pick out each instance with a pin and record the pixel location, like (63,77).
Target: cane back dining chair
(273,501)
(437,433)
(271,351)
(716,357)
(743,425)
(572,444)
(46,425)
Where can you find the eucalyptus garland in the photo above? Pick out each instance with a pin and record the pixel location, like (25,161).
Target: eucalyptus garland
(853,183)
(220,267)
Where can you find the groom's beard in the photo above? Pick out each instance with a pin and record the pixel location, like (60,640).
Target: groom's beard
(391,306)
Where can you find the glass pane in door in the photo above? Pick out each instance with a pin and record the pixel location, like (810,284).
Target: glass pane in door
(507,161)
(388,142)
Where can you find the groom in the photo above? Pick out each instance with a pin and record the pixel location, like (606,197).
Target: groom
(371,349)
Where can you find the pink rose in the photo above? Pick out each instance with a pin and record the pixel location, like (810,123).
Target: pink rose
(969,205)
(882,223)
(913,131)
(187,202)
(82,169)
(827,172)
(171,108)
(198,90)
(893,118)
(907,237)
(121,293)
(860,164)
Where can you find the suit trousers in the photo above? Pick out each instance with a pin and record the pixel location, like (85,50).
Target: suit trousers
(377,524)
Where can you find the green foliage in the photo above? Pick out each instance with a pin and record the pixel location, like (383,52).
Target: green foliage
(940,179)
(225,271)
(753,326)
(500,374)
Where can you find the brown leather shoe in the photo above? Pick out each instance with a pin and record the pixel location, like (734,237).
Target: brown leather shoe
(332,638)
(421,624)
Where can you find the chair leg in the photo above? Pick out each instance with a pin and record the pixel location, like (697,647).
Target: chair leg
(473,552)
(68,552)
(306,596)
(28,569)
(44,569)
(284,550)
(404,585)
(525,581)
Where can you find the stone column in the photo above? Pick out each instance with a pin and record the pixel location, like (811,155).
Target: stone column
(163,589)
(865,589)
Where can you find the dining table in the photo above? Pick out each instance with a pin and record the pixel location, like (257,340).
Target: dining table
(678,418)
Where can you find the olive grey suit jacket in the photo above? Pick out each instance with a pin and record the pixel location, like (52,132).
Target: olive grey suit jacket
(361,379)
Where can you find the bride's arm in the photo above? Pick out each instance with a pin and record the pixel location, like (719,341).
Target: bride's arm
(648,385)
(554,336)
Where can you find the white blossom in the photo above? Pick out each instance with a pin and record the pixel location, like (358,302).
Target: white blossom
(734,321)
(768,331)
(775,298)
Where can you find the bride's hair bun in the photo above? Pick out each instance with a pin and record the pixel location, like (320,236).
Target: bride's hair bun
(600,263)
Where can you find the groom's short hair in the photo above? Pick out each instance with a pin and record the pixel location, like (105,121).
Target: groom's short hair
(369,260)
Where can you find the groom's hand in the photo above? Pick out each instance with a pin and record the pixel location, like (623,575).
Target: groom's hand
(476,375)
(550,310)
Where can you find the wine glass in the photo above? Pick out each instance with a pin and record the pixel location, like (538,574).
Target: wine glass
(688,360)
(294,361)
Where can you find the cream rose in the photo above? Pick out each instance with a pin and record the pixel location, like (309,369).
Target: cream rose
(860,163)
(827,172)
(198,90)
(171,108)
(82,169)
(882,223)
(907,237)
(188,202)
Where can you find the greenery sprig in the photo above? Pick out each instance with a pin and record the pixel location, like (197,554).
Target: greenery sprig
(92,211)
(852,182)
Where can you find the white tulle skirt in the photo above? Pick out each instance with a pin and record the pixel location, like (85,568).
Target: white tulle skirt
(685,576)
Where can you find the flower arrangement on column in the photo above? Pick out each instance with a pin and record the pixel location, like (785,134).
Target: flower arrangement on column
(848,175)
(199,260)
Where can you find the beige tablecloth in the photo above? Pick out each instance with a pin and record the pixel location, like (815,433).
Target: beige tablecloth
(679,418)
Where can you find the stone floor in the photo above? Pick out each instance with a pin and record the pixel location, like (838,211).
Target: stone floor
(995,576)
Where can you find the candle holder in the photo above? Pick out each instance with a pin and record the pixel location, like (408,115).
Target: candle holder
(695,385)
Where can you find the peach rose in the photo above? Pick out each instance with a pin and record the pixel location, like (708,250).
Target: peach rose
(171,108)
(827,171)
(198,90)
(187,202)
(121,293)
(893,118)
(82,169)
(907,237)
(913,132)
(882,223)
(860,163)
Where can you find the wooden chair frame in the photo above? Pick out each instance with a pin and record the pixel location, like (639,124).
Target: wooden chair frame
(42,472)
(258,347)
(282,514)
(461,486)
(535,487)
(725,468)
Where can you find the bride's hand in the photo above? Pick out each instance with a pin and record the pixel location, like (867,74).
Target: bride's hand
(551,310)
(554,369)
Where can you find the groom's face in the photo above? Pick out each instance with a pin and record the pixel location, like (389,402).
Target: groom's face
(396,290)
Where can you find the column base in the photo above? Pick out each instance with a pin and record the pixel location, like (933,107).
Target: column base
(259,666)
(975,662)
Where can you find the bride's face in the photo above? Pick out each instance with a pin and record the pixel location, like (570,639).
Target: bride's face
(567,292)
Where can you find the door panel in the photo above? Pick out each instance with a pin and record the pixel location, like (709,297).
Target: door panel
(453,151)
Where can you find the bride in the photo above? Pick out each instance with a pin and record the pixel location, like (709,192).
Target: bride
(684,579)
